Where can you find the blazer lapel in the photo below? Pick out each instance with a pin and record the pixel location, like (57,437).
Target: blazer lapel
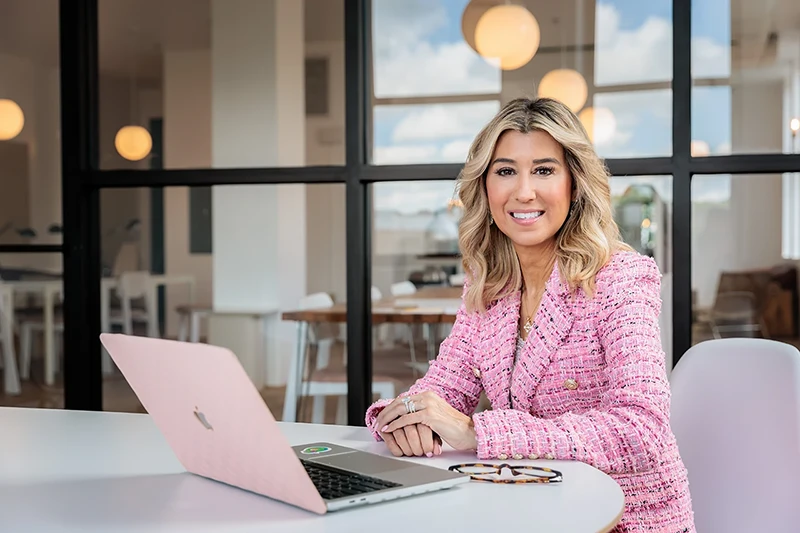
(551,325)
(498,344)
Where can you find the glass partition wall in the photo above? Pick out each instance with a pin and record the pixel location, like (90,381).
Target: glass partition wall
(248,159)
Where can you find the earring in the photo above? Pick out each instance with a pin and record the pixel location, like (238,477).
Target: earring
(491,219)
(571,208)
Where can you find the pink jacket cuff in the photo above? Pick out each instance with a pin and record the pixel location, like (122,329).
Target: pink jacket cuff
(372,413)
(506,435)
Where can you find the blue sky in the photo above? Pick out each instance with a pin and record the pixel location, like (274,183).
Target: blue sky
(644,120)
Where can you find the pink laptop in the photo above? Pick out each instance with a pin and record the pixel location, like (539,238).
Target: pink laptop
(219,427)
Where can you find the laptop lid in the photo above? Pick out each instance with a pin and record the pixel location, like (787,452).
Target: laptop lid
(212,416)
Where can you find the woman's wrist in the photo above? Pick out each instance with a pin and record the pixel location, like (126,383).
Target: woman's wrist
(472,435)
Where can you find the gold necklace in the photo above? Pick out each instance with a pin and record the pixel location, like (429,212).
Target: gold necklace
(528,325)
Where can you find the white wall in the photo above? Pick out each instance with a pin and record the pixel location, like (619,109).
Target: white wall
(36,90)
(325,210)
(187,144)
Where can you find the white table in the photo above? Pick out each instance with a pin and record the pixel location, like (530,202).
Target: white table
(83,472)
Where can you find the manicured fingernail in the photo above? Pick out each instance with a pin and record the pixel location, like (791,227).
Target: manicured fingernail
(384,428)
(429,454)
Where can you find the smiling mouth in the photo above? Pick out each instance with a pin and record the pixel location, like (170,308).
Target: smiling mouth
(531,215)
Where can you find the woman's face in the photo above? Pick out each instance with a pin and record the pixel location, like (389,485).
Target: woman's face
(529,188)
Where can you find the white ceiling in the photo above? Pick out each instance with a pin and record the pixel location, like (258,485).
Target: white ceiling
(138,29)
(29,28)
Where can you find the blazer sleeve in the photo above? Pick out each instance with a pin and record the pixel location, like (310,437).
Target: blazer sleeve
(450,375)
(630,428)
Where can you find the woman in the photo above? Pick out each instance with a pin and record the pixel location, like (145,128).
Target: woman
(559,325)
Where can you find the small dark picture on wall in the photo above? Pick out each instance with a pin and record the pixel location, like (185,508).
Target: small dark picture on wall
(316,86)
(200,220)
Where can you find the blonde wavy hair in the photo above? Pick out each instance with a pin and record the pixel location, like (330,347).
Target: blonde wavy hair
(585,242)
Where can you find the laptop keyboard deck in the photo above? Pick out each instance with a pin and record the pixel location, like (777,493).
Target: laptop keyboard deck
(333,483)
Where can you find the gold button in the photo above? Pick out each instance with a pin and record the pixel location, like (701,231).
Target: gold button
(518,456)
(549,456)
(533,457)
(571,384)
(477,372)
(502,457)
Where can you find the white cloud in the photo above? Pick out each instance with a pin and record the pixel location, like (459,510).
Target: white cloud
(644,54)
(443,121)
(629,109)
(711,189)
(437,133)
(710,59)
(413,197)
(631,56)
(456,150)
(724,148)
(408,154)
(407,63)
(432,152)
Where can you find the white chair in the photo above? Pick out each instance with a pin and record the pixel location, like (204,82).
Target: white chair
(8,361)
(27,328)
(382,331)
(736,416)
(406,288)
(457,280)
(320,383)
(189,316)
(132,286)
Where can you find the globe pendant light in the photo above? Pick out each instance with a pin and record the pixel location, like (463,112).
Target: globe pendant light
(600,124)
(567,86)
(507,35)
(133,142)
(12,119)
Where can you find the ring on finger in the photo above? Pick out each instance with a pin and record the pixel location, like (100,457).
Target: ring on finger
(410,406)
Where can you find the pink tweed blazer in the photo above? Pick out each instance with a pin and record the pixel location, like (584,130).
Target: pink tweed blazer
(590,385)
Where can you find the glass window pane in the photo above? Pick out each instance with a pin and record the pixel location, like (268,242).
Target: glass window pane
(416,262)
(220,255)
(220,84)
(416,259)
(746,71)
(31,331)
(745,247)
(30,123)
(428,133)
(635,123)
(611,62)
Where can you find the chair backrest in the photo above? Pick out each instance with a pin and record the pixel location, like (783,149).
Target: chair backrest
(134,284)
(319,331)
(376,294)
(457,280)
(736,415)
(4,295)
(317,300)
(403,288)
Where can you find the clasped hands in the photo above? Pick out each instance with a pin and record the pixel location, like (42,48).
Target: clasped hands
(422,431)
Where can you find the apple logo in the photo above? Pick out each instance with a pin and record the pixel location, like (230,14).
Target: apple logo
(202,418)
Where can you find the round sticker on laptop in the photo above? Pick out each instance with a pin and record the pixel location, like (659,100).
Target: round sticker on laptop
(314,450)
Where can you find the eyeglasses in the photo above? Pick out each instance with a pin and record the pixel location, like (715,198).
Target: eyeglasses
(493,473)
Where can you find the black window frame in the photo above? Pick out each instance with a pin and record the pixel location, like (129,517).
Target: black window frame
(82,182)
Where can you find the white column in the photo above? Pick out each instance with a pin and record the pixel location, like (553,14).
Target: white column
(187,144)
(258,120)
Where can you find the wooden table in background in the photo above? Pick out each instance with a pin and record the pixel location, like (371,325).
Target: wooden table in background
(429,305)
